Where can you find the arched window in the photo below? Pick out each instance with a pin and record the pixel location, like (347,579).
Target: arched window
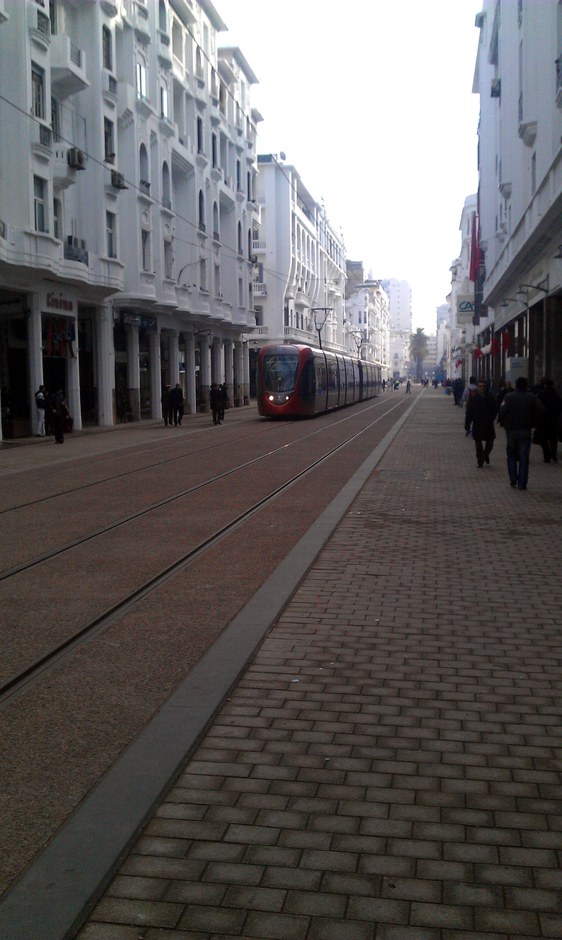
(250,243)
(141,78)
(240,238)
(216,229)
(201,210)
(199,135)
(166,197)
(162,17)
(144,169)
(107,48)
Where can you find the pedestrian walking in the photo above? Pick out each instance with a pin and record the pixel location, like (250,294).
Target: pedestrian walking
(408,387)
(166,406)
(223,400)
(470,391)
(519,413)
(504,389)
(458,389)
(548,427)
(40,406)
(216,402)
(58,413)
(480,415)
(176,404)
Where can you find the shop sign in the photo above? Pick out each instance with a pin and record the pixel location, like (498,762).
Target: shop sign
(56,300)
(147,323)
(466,308)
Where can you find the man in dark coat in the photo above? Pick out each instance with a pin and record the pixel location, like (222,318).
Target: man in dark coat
(216,402)
(548,426)
(519,413)
(176,404)
(481,411)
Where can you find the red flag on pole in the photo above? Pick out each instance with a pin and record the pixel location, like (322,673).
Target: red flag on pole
(474,270)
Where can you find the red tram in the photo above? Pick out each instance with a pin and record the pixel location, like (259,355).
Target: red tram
(294,380)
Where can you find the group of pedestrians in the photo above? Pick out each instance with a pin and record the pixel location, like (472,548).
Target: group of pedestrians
(518,411)
(52,414)
(172,405)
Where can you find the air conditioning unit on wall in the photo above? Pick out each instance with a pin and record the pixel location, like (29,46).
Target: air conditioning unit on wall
(118,180)
(76,158)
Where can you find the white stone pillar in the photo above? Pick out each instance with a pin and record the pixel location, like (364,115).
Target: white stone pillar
(133,369)
(237,393)
(216,360)
(191,388)
(205,372)
(246,372)
(229,367)
(155,373)
(174,357)
(73,379)
(105,366)
(35,356)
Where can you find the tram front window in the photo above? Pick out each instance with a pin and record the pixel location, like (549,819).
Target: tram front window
(280,372)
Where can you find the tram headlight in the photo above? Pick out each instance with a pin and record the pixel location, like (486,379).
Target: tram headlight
(272,398)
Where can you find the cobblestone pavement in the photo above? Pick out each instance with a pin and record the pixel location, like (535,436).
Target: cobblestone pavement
(389,765)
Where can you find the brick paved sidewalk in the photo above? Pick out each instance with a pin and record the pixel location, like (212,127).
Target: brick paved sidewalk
(389,766)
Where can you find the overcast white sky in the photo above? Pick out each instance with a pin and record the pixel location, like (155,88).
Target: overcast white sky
(372,102)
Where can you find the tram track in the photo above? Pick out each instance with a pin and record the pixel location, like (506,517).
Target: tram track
(103,530)
(71,491)
(50,659)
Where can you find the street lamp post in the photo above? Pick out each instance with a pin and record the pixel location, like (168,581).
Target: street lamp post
(319,326)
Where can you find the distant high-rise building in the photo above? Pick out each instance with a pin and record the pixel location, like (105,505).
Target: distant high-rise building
(400,297)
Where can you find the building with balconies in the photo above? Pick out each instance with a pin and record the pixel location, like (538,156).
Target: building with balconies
(127,207)
(518,243)
(368,319)
(299,285)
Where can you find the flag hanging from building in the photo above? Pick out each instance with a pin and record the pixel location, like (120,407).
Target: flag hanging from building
(474,268)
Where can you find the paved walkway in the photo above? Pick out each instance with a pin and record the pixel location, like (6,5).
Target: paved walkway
(388,767)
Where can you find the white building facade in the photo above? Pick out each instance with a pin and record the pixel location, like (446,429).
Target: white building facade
(299,294)
(400,300)
(127,212)
(519,80)
(461,298)
(368,324)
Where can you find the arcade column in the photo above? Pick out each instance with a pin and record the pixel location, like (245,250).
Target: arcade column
(190,377)
(229,368)
(73,379)
(133,369)
(237,392)
(155,373)
(205,373)
(35,354)
(105,366)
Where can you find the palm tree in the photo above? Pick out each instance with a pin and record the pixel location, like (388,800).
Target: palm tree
(418,349)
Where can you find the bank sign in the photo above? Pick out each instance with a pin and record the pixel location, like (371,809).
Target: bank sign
(466,309)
